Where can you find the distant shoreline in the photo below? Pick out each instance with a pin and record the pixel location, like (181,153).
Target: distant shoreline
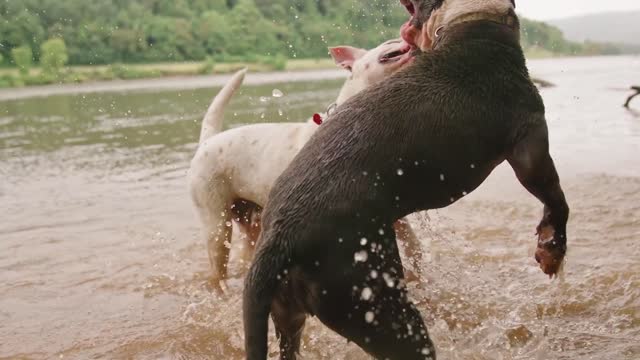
(206,81)
(168,83)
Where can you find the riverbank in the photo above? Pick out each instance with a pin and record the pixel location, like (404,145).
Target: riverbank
(169,83)
(297,71)
(12,78)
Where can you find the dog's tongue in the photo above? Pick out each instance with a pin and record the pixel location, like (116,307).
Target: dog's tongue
(408,33)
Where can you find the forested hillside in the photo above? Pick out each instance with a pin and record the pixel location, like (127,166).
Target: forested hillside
(617,27)
(140,31)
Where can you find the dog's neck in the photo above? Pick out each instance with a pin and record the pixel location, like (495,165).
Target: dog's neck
(350,88)
(502,28)
(509,19)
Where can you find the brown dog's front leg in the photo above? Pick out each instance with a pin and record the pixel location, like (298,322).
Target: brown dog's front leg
(535,170)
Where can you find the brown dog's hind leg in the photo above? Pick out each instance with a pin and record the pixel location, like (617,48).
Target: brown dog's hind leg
(537,173)
(289,322)
(381,320)
(369,305)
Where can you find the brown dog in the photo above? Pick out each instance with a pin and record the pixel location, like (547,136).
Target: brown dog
(426,137)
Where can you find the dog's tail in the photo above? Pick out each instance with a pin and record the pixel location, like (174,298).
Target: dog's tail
(260,289)
(212,123)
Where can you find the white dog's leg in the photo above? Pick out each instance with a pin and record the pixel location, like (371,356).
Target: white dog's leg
(217,230)
(411,247)
(218,235)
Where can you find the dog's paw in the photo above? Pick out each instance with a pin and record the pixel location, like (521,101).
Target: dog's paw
(217,287)
(550,252)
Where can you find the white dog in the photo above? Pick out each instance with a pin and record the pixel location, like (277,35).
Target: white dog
(233,171)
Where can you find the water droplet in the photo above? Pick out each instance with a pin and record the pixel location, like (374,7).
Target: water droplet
(277,93)
(374,274)
(441,177)
(366,294)
(464,193)
(473,166)
(426,351)
(388,280)
(381,231)
(363,241)
(369,316)
(340,240)
(400,172)
(361,256)
(280,112)
(264,99)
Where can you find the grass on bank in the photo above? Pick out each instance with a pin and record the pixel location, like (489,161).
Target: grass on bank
(12,77)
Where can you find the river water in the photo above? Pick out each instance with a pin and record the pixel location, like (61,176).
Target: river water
(100,254)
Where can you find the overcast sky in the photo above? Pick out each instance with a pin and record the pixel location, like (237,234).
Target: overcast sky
(554,9)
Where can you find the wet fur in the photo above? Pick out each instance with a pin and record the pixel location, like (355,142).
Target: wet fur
(458,111)
(233,171)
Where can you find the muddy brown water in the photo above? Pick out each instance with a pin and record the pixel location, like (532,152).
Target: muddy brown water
(100,255)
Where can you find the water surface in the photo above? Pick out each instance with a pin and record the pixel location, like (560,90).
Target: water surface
(100,254)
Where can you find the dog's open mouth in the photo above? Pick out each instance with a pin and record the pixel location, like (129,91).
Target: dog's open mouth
(409,6)
(396,55)
(407,31)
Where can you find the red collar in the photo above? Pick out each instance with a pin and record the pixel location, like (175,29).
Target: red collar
(317,118)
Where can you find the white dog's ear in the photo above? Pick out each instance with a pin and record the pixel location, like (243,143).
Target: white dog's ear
(345,56)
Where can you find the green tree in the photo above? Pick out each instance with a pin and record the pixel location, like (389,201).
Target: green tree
(111,31)
(19,28)
(213,33)
(201,6)
(245,41)
(23,58)
(53,56)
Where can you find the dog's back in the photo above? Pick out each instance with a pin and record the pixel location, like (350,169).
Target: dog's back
(371,155)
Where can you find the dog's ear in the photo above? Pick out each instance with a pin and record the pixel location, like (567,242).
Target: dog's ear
(345,56)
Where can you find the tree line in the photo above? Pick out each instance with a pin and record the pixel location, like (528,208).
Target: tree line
(143,31)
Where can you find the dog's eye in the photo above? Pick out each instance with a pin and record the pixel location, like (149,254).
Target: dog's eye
(435,5)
